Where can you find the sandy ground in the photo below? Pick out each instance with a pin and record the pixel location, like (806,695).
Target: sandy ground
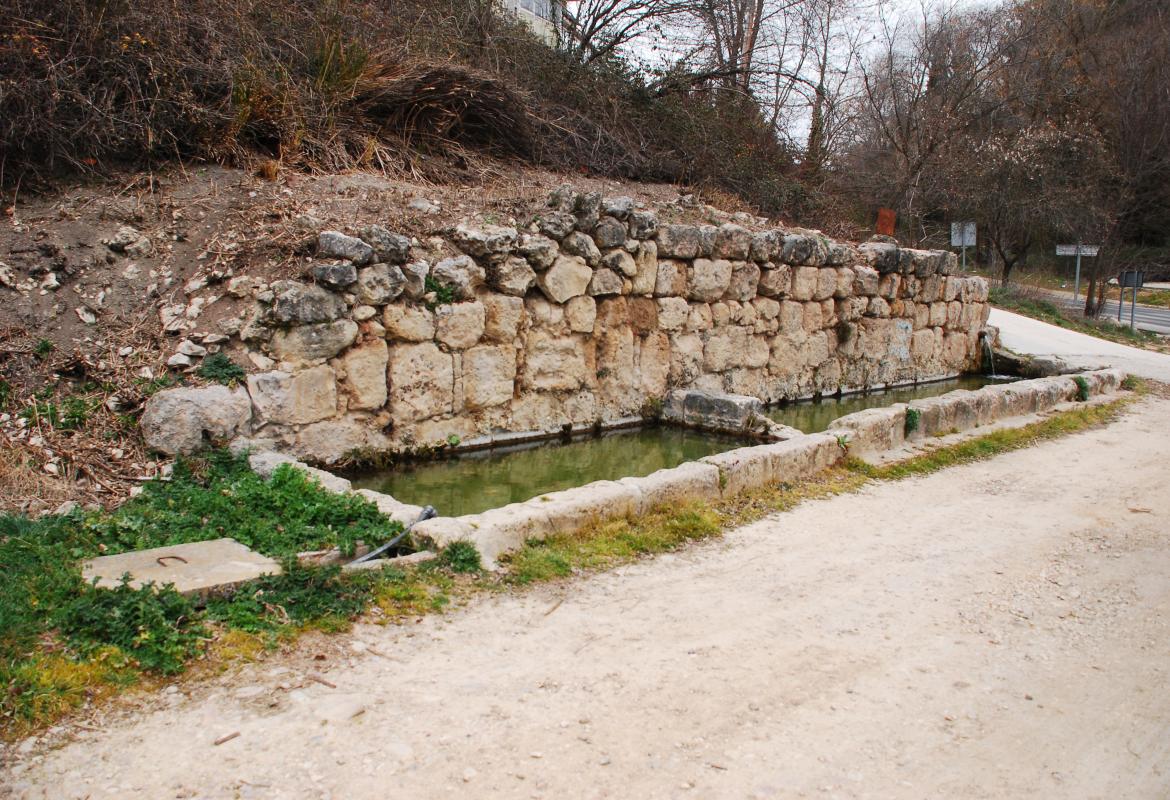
(1027,335)
(994,630)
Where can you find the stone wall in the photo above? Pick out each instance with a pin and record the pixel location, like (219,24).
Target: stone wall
(589,314)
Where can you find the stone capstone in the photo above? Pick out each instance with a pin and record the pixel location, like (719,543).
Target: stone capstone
(307,343)
(489,240)
(334,244)
(391,248)
(380,284)
(295,303)
(556,224)
(183,420)
(643,224)
(678,241)
(502,317)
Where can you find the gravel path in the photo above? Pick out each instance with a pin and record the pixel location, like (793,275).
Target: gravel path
(994,630)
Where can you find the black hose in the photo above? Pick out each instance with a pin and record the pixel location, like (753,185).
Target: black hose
(428,512)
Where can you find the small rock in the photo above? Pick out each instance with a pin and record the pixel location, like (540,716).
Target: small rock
(391,248)
(126,351)
(189,348)
(66,508)
(334,244)
(85,315)
(179,361)
(50,283)
(423,206)
(335,274)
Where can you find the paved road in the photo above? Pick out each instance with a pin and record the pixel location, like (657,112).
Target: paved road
(1146,318)
(1027,335)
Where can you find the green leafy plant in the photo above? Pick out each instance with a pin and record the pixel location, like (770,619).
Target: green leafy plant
(461,556)
(5,392)
(1082,387)
(843,442)
(444,294)
(913,420)
(300,596)
(43,348)
(219,368)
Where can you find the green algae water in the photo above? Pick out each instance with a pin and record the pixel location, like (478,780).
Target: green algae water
(477,481)
(814,416)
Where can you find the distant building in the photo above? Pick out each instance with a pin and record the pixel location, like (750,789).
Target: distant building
(541,16)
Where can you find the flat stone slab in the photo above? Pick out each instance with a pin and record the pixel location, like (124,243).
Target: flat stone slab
(194,567)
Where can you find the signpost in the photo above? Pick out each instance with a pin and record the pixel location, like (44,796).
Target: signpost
(963,235)
(1129,279)
(1077,250)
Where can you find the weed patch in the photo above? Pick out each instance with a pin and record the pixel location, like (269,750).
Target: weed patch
(219,368)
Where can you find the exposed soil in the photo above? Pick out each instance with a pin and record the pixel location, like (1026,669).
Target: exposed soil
(995,630)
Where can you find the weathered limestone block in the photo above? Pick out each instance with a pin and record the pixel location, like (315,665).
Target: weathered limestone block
(389,248)
(700,319)
(672,313)
(540,251)
(865,280)
(489,374)
(804,249)
(587,210)
(183,420)
(502,317)
(513,276)
(878,307)
(826,284)
(334,244)
(938,314)
(686,358)
(554,363)
(745,278)
(872,430)
(643,314)
(544,315)
(461,274)
(415,273)
(766,246)
(609,233)
(726,347)
(775,280)
(671,488)
(365,374)
(804,283)
(380,284)
(678,241)
(295,303)
(294,399)
(460,325)
(332,440)
(621,262)
(409,323)
(605,282)
(851,308)
(882,256)
(654,363)
(581,314)
(643,224)
(556,224)
(707,234)
(844,283)
(814,318)
(618,207)
(307,343)
(671,279)
(890,286)
(646,269)
(422,381)
(334,274)
(489,240)
(568,277)
(580,245)
(733,242)
(707,279)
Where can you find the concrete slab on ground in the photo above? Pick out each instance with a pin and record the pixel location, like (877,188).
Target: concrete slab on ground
(1027,335)
(192,567)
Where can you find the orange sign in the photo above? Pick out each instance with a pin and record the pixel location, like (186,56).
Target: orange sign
(885,221)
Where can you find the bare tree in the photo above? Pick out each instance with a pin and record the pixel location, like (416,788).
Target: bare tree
(595,29)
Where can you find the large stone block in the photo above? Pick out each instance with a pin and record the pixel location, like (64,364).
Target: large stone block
(604,282)
(389,248)
(183,420)
(409,323)
(365,374)
(707,279)
(307,343)
(380,284)
(488,240)
(582,246)
(296,303)
(826,284)
(554,363)
(671,278)
(502,317)
(733,242)
(610,232)
(775,280)
(646,266)
(422,381)
(654,363)
(568,277)
(460,274)
(334,244)
(489,374)
(672,313)
(297,398)
(745,279)
(512,275)
(459,325)
(678,241)
(581,314)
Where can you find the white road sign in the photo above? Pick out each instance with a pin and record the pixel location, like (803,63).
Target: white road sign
(962,234)
(1071,249)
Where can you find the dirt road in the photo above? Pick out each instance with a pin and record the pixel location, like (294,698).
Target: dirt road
(996,630)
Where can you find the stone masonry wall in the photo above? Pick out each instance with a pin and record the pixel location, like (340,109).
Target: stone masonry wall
(591,313)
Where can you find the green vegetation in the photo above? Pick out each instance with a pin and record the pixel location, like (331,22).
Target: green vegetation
(219,368)
(444,294)
(913,417)
(462,557)
(1013,299)
(43,348)
(1082,388)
